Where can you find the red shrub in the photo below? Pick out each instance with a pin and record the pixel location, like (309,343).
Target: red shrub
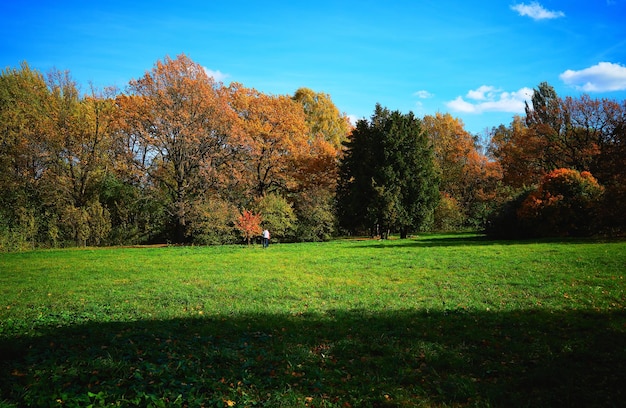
(565,203)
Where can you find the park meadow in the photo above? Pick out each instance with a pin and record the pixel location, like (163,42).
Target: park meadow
(454,320)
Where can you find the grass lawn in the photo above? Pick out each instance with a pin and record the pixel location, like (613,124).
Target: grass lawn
(436,321)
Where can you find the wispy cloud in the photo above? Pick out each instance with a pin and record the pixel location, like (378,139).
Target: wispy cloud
(603,77)
(423,94)
(216,75)
(536,11)
(491,99)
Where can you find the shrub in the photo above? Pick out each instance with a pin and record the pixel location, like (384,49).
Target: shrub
(278,216)
(565,203)
(212,222)
(503,221)
(448,214)
(249,225)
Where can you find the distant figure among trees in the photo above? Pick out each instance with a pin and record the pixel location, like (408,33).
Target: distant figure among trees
(266,238)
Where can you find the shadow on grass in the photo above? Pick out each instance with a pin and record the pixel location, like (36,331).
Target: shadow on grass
(533,358)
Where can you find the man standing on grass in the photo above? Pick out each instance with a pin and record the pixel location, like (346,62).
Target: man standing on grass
(266,238)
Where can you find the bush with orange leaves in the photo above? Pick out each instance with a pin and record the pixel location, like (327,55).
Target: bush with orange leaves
(249,225)
(565,204)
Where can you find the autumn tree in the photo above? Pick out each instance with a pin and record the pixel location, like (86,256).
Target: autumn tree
(579,134)
(317,169)
(387,177)
(57,147)
(24,97)
(571,132)
(565,203)
(519,152)
(468,178)
(272,134)
(542,141)
(249,224)
(178,121)
(323,119)
(448,215)
(81,141)
(533,145)
(597,140)
(326,129)
(452,145)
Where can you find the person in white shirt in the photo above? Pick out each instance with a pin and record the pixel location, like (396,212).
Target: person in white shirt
(266,238)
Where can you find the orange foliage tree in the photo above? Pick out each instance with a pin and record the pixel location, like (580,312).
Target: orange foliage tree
(272,135)
(580,133)
(519,151)
(316,171)
(565,203)
(327,130)
(576,133)
(249,224)
(178,121)
(467,177)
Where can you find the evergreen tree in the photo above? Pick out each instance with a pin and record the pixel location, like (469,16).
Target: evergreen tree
(387,177)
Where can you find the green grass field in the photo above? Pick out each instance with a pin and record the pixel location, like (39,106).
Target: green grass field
(436,321)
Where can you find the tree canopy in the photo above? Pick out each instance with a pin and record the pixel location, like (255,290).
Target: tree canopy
(559,135)
(178,156)
(182,126)
(173,158)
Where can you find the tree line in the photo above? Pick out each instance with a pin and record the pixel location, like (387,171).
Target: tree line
(562,168)
(178,157)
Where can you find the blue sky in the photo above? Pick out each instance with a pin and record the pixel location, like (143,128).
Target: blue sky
(476,60)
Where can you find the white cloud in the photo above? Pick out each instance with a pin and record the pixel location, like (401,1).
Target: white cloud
(216,75)
(536,11)
(482,93)
(423,94)
(460,105)
(491,99)
(602,77)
